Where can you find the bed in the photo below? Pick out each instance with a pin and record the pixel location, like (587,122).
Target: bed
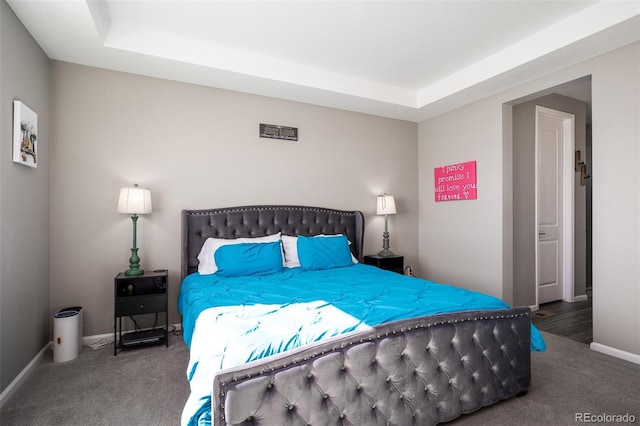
(316,337)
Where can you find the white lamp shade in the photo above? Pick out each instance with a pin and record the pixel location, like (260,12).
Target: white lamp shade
(134,200)
(386,204)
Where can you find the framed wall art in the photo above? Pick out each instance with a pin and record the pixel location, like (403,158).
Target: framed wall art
(25,135)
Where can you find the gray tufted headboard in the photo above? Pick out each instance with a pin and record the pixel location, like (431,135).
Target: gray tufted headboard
(259,221)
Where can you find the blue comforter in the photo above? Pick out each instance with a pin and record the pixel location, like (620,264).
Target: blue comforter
(250,317)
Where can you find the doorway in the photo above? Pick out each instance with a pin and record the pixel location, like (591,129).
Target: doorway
(573,97)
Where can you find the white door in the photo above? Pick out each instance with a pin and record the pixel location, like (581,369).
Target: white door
(554,205)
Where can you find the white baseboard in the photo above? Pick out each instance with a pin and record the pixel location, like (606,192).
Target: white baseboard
(4,396)
(581,298)
(90,339)
(627,356)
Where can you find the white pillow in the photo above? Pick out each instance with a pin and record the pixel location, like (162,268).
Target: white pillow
(290,248)
(206,259)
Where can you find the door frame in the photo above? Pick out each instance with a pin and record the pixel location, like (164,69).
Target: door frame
(568,200)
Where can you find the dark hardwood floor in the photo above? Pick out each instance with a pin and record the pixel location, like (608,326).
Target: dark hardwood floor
(571,320)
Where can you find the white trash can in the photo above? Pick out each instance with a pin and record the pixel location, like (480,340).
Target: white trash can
(67,334)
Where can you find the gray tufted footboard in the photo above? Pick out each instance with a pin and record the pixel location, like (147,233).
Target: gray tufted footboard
(420,371)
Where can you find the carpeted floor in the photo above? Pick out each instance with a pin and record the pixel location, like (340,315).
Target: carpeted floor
(147,386)
(567,380)
(144,386)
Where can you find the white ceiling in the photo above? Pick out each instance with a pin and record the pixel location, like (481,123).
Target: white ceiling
(407,60)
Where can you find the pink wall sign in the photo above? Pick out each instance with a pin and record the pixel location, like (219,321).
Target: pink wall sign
(455,182)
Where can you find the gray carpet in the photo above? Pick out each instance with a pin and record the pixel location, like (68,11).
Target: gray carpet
(567,379)
(143,386)
(147,386)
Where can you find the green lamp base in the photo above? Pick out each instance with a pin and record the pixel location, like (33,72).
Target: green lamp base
(134,263)
(133,272)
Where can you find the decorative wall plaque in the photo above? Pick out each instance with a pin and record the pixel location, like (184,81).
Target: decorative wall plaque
(455,182)
(272,131)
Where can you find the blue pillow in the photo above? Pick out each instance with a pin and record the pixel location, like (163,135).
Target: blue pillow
(236,260)
(324,252)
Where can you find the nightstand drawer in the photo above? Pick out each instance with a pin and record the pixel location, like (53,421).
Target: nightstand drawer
(135,305)
(393,263)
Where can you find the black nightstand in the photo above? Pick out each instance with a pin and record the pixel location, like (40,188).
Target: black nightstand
(393,263)
(137,295)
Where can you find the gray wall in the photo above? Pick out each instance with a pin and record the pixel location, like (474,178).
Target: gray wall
(524,238)
(24,203)
(616,199)
(198,147)
(463,242)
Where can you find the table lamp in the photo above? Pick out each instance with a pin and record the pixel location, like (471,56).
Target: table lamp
(386,206)
(134,201)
